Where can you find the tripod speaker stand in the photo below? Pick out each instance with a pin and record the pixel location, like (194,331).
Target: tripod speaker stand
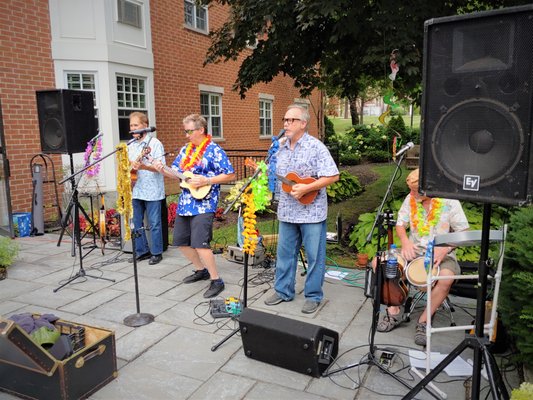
(478,342)
(74,208)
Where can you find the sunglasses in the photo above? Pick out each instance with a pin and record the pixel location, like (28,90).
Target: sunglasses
(290,120)
(189,131)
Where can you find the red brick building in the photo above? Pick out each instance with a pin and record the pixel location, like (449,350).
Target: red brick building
(133,55)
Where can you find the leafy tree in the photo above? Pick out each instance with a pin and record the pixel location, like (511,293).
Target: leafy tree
(334,44)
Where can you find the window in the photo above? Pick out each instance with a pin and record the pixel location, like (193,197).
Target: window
(195,16)
(129,13)
(131,96)
(211,110)
(265,117)
(83,81)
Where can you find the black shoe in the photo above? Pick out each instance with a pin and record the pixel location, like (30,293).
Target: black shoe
(215,288)
(155,259)
(142,257)
(199,275)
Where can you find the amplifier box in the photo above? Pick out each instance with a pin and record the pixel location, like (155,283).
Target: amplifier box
(236,254)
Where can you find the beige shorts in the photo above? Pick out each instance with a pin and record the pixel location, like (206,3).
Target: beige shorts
(451,264)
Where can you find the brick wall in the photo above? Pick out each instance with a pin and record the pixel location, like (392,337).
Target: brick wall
(26,66)
(179,54)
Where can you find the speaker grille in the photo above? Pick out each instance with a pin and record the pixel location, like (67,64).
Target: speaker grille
(478,137)
(53,134)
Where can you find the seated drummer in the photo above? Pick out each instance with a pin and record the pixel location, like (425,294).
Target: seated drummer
(420,214)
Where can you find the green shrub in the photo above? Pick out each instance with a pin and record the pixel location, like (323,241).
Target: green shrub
(516,309)
(524,392)
(8,251)
(350,159)
(377,156)
(329,130)
(396,127)
(346,187)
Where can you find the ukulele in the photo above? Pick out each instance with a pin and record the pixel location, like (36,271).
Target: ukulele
(394,290)
(133,172)
(102,222)
(291,179)
(197,192)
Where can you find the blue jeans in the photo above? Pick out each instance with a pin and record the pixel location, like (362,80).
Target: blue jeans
(153,214)
(290,239)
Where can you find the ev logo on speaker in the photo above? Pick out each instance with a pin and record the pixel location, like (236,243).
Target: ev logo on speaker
(471,182)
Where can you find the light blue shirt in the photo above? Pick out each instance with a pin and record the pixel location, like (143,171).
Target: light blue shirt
(310,158)
(150,185)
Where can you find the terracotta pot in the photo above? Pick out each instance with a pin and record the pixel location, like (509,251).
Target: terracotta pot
(362,259)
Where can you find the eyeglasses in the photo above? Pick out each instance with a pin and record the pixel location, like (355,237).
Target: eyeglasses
(290,120)
(189,131)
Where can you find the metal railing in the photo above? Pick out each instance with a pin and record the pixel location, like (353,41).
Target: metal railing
(238,157)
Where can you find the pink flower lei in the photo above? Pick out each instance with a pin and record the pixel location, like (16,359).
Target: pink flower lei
(93,152)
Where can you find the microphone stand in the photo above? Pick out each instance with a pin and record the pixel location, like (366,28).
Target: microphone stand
(137,319)
(371,359)
(74,202)
(246,255)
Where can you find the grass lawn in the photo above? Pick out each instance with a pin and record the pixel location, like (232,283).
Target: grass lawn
(342,124)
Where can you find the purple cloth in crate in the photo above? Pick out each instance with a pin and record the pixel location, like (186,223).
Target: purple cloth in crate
(29,323)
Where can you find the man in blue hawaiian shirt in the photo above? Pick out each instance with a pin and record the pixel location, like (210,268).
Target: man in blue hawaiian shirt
(206,166)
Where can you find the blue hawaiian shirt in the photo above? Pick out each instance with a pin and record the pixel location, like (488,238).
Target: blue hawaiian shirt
(310,157)
(150,185)
(214,162)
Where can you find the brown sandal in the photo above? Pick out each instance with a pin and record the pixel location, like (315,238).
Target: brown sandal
(389,322)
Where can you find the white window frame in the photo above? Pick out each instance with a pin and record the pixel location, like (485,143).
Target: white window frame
(191,21)
(86,82)
(130,16)
(212,111)
(266,116)
(125,108)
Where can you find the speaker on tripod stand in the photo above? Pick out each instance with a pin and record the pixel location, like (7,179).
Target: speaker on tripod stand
(66,120)
(476,107)
(476,135)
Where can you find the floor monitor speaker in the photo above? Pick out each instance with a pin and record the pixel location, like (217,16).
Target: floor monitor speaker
(287,343)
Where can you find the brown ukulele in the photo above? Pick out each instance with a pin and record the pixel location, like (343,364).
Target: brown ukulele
(394,290)
(133,172)
(291,179)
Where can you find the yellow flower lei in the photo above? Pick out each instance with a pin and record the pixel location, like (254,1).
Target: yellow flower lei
(191,158)
(433,217)
(249,231)
(124,202)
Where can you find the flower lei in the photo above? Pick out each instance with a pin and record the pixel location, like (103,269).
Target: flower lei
(93,152)
(124,202)
(191,159)
(249,232)
(260,188)
(417,215)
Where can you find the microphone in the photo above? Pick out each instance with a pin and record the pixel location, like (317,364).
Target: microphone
(94,139)
(280,134)
(407,146)
(143,130)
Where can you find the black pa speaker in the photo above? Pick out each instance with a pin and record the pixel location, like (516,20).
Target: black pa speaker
(287,343)
(477,107)
(66,120)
